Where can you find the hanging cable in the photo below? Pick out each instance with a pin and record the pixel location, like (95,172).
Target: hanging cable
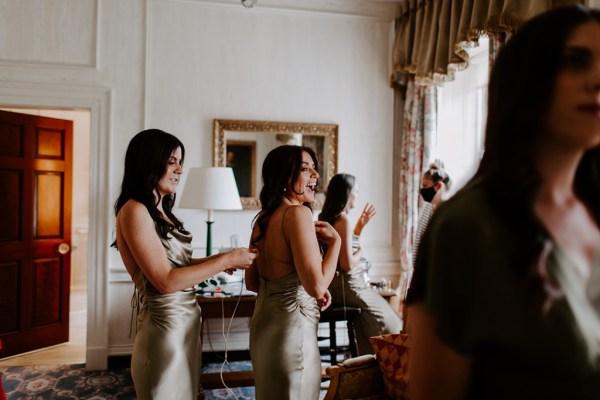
(226,334)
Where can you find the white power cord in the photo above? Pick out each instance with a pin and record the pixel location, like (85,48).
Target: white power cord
(226,334)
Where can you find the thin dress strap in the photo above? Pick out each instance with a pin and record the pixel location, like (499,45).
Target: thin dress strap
(283,225)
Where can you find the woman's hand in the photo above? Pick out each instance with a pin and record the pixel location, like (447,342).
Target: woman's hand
(326,233)
(324,301)
(241,258)
(366,215)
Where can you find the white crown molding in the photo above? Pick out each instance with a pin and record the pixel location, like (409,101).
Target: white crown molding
(386,10)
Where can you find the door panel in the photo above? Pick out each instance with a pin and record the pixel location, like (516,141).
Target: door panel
(47,217)
(47,286)
(9,301)
(11,201)
(36,174)
(11,140)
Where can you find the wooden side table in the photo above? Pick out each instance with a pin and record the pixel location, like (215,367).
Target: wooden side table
(223,307)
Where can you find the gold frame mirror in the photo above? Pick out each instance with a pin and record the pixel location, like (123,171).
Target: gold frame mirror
(243,145)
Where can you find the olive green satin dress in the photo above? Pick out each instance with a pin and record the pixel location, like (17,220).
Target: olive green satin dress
(167,353)
(283,341)
(377,316)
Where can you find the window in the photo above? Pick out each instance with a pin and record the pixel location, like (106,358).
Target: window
(462,111)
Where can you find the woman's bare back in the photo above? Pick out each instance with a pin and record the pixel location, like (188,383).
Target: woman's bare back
(275,258)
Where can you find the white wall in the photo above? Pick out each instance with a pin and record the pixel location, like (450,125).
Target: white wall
(177,65)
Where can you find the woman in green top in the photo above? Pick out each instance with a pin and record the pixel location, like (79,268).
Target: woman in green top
(505,299)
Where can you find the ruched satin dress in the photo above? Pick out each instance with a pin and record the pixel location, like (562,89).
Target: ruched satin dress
(167,351)
(283,341)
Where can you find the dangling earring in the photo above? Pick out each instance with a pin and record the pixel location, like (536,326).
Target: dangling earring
(284,189)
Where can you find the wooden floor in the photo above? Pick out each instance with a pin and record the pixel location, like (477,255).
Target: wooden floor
(72,352)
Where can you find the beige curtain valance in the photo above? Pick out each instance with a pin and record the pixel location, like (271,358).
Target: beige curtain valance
(432,35)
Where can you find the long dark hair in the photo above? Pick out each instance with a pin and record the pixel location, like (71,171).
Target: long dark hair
(281,168)
(338,192)
(521,88)
(146,162)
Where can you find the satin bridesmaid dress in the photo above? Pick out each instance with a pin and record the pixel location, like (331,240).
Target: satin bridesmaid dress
(167,351)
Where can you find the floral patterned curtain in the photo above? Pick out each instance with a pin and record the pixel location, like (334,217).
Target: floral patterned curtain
(419,127)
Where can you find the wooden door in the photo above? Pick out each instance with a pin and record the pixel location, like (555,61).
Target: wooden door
(35,231)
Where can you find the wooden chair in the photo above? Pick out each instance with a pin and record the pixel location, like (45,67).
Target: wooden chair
(339,313)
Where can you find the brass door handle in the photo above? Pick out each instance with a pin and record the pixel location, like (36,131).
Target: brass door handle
(63,249)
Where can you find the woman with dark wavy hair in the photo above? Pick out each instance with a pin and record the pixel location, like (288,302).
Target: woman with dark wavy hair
(290,276)
(157,252)
(505,298)
(349,286)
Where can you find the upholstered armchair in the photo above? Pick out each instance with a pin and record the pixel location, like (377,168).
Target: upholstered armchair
(357,378)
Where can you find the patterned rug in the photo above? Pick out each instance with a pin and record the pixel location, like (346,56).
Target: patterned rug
(68,382)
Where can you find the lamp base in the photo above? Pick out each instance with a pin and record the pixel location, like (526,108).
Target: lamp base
(209,237)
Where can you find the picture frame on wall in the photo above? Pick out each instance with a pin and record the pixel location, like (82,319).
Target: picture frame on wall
(265,136)
(241,157)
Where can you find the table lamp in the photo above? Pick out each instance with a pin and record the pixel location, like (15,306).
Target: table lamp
(210,188)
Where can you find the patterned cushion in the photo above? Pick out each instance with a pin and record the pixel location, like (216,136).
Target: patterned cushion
(392,355)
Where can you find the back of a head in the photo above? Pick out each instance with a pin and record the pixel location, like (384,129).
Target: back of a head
(338,192)
(278,169)
(437,173)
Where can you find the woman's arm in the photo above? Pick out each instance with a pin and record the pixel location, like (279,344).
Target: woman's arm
(205,259)
(314,273)
(436,371)
(140,246)
(348,260)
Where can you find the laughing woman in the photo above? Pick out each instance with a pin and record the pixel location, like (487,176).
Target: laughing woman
(290,277)
(157,252)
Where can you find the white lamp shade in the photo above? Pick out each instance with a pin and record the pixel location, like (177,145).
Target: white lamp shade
(210,188)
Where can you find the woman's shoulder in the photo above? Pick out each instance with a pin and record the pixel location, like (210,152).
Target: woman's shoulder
(342,221)
(132,206)
(133,209)
(296,211)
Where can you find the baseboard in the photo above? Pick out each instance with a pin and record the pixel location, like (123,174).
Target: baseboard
(124,361)
(219,356)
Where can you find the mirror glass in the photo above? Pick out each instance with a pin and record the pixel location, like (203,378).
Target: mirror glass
(243,145)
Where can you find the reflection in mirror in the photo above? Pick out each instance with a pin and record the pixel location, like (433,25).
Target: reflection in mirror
(243,145)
